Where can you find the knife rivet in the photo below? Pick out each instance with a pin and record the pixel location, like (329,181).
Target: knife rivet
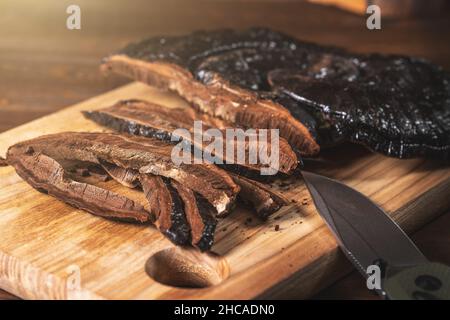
(427,282)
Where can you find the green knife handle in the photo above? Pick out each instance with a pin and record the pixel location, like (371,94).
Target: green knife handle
(429,281)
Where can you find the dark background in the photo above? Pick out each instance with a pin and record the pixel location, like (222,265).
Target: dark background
(45,67)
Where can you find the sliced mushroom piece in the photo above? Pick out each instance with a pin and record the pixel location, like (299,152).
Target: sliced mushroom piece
(167,206)
(142,118)
(146,155)
(200,216)
(126,177)
(257,195)
(47,175)
(214,96)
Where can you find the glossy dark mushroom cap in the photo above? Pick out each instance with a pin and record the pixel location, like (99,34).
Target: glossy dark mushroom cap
(396,105)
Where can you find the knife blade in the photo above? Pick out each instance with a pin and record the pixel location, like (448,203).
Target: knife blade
(368,236)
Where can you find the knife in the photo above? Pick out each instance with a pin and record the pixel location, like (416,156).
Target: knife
(371,239)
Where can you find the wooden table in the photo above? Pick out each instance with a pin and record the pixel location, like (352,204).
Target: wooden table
(44,66)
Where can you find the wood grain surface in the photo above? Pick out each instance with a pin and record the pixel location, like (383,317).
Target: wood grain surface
(44,66)
(43,238)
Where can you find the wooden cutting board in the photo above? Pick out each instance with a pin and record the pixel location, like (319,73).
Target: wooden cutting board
(49,250)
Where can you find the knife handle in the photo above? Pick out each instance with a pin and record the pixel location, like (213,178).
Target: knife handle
(428,281)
